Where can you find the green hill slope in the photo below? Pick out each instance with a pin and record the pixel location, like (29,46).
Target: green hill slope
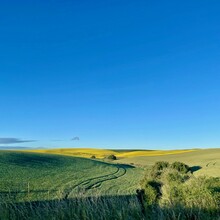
(32,176)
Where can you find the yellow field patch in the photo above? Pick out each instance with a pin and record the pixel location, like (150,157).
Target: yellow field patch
(79,152)
(102,153)
(152,153)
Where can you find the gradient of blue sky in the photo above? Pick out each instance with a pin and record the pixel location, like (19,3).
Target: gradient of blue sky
(118,74)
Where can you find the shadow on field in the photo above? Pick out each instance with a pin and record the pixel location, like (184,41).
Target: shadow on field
(81,198)
(30,159)
(99,208)
(195,168)
(38,160)
(12,193)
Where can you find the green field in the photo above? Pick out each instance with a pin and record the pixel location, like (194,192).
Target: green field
(60,182)
(32,176)
(206,160)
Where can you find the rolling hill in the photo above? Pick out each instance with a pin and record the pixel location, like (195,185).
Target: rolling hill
(205,161)
(26,176)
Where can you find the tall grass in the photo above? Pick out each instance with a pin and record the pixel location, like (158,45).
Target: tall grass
(85,208)
(193,202)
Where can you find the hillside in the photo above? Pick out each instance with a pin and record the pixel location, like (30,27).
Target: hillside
(54,186)
(204,161)
(31,176)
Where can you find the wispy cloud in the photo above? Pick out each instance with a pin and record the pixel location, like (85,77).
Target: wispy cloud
(14,147)
(54,140)
(75,139)
(14,141)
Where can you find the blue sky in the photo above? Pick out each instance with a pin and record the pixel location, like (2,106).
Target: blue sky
(116,74)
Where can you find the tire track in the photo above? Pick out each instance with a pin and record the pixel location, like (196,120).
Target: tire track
(84,182)
(96,182)
(211,164)
(208,164)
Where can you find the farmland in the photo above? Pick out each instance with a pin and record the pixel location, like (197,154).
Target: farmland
(206,160)
(102,153)
(60,179)
(32,176)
